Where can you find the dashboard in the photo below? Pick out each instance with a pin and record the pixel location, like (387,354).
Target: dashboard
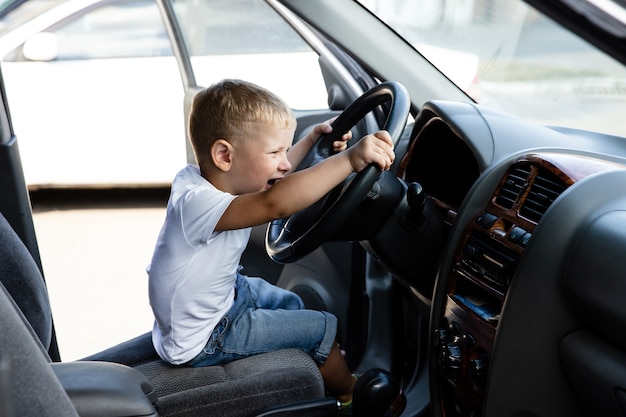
(506,325)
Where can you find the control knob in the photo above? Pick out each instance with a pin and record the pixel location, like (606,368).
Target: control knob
(451,359)
(478,370)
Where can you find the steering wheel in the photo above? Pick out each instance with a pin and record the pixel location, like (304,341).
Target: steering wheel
(291,238)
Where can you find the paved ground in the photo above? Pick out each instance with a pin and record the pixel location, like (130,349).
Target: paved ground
(95,247)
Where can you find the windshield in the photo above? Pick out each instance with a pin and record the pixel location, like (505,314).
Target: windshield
(506,55)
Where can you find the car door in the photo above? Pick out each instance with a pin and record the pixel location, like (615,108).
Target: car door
(101,79)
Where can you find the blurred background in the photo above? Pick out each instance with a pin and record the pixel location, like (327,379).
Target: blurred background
(98,264)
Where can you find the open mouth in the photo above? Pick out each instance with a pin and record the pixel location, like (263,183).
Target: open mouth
(272,181)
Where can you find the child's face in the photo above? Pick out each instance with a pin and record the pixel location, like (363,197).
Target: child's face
(258,161)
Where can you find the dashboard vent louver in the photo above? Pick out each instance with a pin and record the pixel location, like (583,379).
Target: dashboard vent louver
(513,186)
(546,188)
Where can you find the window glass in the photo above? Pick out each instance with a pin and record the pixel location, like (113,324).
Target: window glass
(24,13)
(507,55)
(125,29)
(248,39)
(118,30)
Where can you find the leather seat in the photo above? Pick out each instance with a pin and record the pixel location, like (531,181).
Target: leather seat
(241,388)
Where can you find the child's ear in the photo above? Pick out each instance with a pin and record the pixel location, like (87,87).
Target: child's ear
(221,154)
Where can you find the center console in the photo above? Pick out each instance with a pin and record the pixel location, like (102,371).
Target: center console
(484,263)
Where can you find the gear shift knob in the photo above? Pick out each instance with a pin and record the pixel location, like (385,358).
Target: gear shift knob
(377,394)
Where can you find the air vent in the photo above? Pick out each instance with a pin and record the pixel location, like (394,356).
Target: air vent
(546,188)
(513,186)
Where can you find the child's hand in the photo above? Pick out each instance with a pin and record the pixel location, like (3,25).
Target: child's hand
(325,128)
(376,148)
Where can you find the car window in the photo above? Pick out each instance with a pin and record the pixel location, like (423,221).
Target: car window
(248,39)
(507,55)
(113,30)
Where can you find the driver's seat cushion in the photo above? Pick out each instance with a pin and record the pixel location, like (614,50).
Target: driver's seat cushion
(239,388)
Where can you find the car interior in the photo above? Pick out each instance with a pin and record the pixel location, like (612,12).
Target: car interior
(483,271)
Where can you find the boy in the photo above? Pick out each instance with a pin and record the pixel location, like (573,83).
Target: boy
(206,312)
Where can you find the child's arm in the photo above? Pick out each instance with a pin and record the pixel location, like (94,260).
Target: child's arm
(299,149)
(303,188)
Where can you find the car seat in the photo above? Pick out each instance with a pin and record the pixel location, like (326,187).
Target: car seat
(247,387)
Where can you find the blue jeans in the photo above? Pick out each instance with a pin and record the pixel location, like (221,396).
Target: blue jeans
(266,318)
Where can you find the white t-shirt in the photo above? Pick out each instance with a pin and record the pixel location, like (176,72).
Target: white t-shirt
(193,270)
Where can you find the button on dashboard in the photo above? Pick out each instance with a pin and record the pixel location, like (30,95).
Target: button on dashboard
(516,234)
(486,220)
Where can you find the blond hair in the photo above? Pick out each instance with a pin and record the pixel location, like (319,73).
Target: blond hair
(225,110)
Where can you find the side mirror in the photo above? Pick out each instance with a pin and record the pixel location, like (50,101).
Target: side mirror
(43,46)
